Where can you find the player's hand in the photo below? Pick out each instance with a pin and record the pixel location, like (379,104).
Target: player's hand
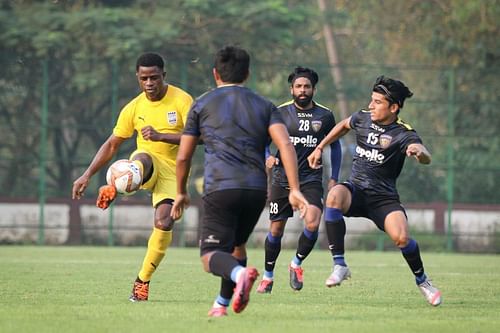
(298,202)
(272,161)
(149,133)
(181,202)
(79,187)
(420,153)
(331,183)
(314,159)
(414,150)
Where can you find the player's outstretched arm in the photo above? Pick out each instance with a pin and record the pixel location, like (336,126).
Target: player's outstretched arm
(336,133)
(183,165)
(419,151)
(103,156)
(280,137)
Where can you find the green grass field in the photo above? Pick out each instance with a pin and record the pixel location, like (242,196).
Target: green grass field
(85,289)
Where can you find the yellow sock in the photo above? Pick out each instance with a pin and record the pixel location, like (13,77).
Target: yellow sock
(157,246)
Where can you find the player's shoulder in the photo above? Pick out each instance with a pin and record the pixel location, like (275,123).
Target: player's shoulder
(286,104)
(403,124)
(179,93)
(322,107)
(132,104)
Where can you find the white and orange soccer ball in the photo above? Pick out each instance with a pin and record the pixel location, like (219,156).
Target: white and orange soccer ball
(125,176)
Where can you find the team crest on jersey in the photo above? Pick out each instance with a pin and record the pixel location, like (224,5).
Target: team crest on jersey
(385,140)
(172,117)
(316,125)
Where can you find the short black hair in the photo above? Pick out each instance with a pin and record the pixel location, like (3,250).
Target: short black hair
(150,60)
(232,63)
(394,90)
(303,72)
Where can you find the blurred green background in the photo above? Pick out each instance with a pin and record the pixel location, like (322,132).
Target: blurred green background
(67,68)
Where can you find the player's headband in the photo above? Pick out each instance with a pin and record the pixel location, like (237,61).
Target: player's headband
(388,94)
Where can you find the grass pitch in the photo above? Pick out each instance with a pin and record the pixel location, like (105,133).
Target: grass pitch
(85,289)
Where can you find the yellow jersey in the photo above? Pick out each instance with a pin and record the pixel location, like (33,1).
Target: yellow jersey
(167,115)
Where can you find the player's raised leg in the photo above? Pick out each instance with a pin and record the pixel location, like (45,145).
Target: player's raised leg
(396,226)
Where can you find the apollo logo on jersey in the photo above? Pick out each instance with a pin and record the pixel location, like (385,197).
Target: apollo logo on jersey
(172,117)
(371,155)
(307,141)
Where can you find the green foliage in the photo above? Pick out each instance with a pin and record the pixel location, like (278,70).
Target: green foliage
(91,48)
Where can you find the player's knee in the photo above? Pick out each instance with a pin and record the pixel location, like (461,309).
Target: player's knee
(401,240)
(165,224)
(333,199)
(205,260)
(240,252)
(277,229)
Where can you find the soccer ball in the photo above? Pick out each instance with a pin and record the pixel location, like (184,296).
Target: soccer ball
(125,176)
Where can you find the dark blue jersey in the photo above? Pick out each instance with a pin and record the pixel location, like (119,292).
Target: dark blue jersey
(380,153)
(306,128)
(233,123)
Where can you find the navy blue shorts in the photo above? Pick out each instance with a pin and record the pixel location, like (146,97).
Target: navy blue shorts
(279,206)
(372,206)
(229,217)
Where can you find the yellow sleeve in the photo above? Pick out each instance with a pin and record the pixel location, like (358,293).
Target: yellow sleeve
(124,127)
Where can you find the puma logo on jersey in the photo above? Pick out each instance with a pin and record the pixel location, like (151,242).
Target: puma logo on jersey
(371,155)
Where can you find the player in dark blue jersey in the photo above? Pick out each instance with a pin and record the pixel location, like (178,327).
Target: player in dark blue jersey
(235,125)
(307,123)
(383,142)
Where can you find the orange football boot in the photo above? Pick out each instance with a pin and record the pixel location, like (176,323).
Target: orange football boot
(107,193)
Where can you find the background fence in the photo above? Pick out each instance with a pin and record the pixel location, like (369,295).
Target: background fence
(67,72)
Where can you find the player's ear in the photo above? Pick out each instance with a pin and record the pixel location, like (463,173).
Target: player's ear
(215,74)
(394,107)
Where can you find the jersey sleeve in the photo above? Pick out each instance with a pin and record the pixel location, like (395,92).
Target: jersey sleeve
(409,137)
(276,117)
(355,120)
(124,127)
(192,126)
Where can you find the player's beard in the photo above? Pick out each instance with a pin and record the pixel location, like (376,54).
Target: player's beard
(302,102)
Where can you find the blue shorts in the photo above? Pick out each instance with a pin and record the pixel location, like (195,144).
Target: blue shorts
(279,206)
(229,217)
(375,207)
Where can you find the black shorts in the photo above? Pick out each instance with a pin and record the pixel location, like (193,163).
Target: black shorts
(372,206)
(279,206)
(229,217)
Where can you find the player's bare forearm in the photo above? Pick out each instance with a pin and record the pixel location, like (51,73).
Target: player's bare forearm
(103,156)
(337,132)
(149,133)
(420,152)
(183,161)
(280,137)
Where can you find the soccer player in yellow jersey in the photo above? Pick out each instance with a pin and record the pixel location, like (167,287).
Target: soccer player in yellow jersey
(158,116)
